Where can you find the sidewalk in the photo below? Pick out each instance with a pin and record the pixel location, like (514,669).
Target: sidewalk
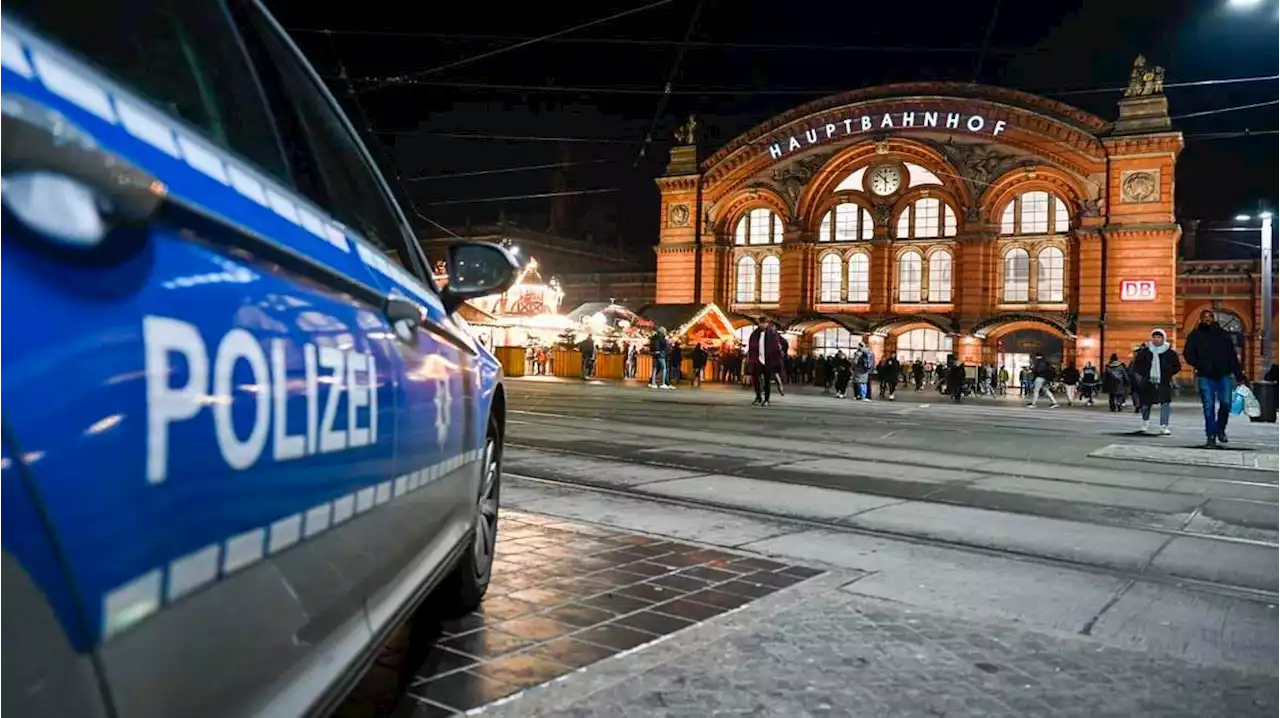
(926,396)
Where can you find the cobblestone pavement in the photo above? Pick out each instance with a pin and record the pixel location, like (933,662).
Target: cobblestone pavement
(821,650)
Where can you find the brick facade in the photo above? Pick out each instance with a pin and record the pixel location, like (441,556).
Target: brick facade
(964,155)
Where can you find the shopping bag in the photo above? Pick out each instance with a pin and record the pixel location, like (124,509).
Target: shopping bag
(1237,403)
(1251,407)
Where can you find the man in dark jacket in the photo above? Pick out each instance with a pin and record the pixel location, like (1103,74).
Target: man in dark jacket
(1043,372)
(699,364)
(890,374)
(587,347)
(1210,350)
(764,359)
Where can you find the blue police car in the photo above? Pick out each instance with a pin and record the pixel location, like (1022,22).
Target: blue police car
(243,435)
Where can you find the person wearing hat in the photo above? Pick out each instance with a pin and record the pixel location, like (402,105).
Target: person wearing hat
(1154,366)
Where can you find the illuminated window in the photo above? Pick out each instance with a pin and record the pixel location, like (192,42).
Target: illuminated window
(940,277)
(1017,275)
(759,226)
(770,279)
(1036,212)
(1050,266)
(927,345)
(826,342)
(746,280)
(926,218)
(859,278)
(909,276)
(829,279)
(845,223)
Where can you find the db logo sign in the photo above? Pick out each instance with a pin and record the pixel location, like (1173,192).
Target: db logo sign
(1138,290)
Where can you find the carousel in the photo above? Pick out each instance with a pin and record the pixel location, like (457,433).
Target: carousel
(526,315)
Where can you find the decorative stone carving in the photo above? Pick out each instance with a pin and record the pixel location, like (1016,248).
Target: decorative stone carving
(1145,80)
(883,214)
(1091,208)
(678,215)
(1139,186)
(979,164)
(882,146)
(687,134)
(792,178)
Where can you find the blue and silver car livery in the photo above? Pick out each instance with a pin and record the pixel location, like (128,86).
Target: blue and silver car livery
(241,441)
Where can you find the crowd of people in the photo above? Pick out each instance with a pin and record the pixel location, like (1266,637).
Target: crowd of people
(1146,382)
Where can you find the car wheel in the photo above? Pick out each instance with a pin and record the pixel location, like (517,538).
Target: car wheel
(463,590)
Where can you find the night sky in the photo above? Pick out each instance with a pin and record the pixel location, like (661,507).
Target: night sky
(746,62)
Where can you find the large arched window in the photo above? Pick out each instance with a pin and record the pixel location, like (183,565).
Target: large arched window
(1017,276)
(910,273)
(940,277)
(926,218)
(845,223)
(829,271)
(759,226)
(859,278)
(927,345)
(746,283)
(770,280)
(827,342)
(1035,212)
(1050,268)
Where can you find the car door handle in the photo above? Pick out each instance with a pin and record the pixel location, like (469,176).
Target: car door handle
(59,183)
(404,316)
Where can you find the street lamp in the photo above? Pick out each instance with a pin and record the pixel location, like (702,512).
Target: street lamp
(1267,318)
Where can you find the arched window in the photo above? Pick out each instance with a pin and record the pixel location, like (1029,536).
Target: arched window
(1017,275)
(829,279)
(927,345)
(827,342)
(746,293)
(859,278)
(770,279)
(1233,326)
(1035,212)
(845,223)
(909,276)
(926,218)
(759,226)
(940,277)
(1050,266)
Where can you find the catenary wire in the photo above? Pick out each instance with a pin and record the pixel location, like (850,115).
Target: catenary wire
(666,42)
(665,97)
(525,43)
(508,198)
(505,170)
(1221,110)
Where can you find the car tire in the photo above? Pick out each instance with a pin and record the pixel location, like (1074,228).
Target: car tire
(464,588)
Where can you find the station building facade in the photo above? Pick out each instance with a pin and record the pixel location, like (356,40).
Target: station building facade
(934,218)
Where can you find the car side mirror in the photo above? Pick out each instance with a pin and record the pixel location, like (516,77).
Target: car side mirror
(477,269)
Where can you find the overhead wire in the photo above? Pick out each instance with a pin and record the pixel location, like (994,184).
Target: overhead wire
(523,43)
(671,79)
(1221,110)
(504,170)
(512,138)
(666,42)
(539,195)
(986,41)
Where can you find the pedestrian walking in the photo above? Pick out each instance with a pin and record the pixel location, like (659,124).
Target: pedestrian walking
(1042,371)
(1154,366)
(764,359)
(659,347)
(1212,353)
(699,365)
(1115,382)
(587,347)
(842,369)
(1071,383)
(1088,382)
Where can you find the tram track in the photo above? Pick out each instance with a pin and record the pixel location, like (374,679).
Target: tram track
(1222,589)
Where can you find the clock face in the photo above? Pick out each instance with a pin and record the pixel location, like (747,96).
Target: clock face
(884,180)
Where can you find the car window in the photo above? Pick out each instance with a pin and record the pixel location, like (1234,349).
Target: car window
(328,163)
(181,55)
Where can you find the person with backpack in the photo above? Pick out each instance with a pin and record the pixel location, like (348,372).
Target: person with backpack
(658,347)
(1154,366)
(1088,382)
(1115,382)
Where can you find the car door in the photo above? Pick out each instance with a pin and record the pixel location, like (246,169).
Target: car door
(202,393)
(437,465)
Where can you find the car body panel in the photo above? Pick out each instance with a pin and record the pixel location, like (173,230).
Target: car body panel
(239,459)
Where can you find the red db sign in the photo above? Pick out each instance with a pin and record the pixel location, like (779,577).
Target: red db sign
(1138,290)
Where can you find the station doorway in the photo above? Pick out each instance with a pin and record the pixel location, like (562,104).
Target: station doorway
(1016,350)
